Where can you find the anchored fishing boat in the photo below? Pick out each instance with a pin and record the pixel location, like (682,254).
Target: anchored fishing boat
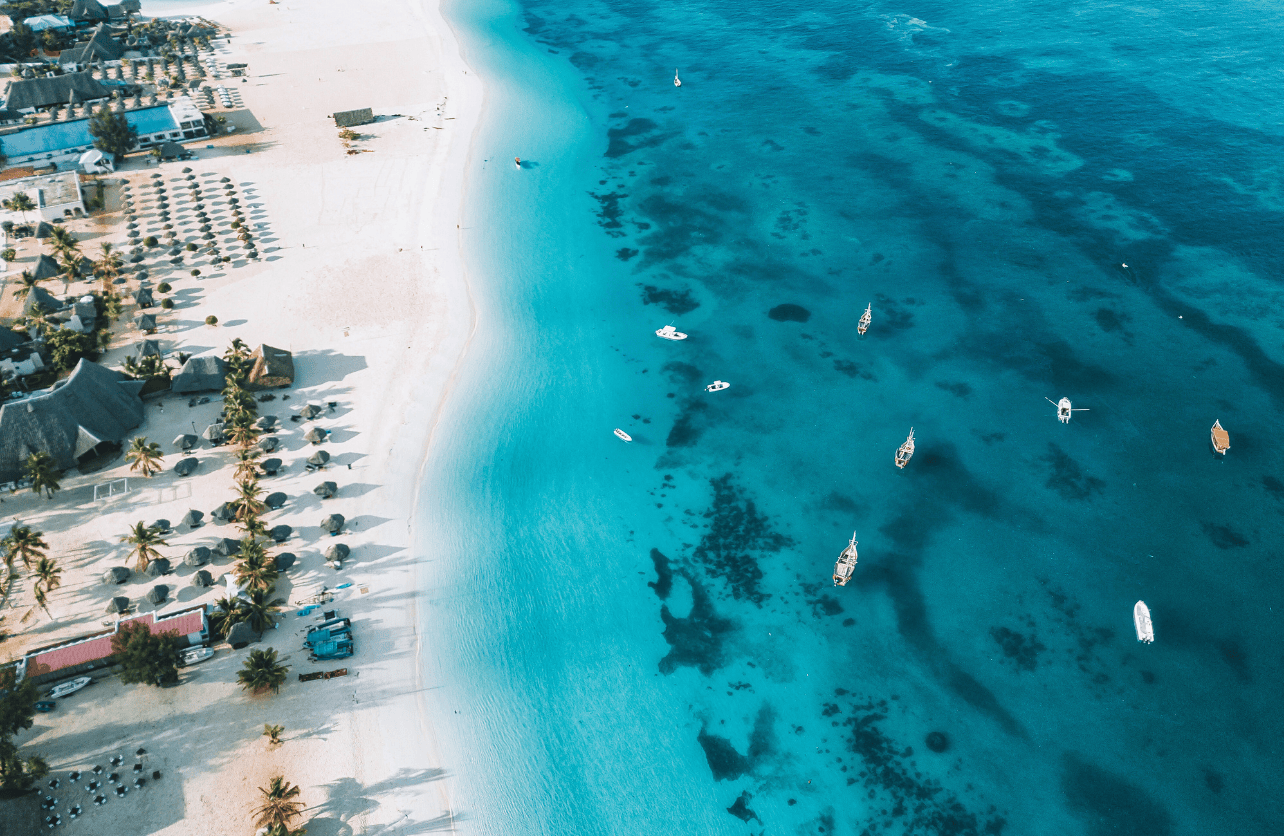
(1141,620)
(846,563)
(906,451)
(865,318)
(1064,409)
(677,82)
(717,386)
(622,435)
(1221,438)
(668,332)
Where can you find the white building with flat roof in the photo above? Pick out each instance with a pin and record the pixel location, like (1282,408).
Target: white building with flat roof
(56,195)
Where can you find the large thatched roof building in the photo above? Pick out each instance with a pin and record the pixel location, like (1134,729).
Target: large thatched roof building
(78,418)
(270,368)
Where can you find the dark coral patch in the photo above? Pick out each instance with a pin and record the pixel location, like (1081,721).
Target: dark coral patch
(1022,650)
(676,302)
(1225,537)
(938,741)
(789,313)
(663,583)
(1109,803)
(1068,478)
(695,641)
(741,810)
(725,762)
(737,533)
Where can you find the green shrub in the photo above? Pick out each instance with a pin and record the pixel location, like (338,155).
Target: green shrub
(150,241)
(167,303)
(163,287)
(196,273)
(211,320)
(191,248)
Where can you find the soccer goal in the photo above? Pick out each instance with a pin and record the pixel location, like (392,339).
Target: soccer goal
(107,490)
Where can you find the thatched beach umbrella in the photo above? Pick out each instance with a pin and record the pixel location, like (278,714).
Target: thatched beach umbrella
(270,466)
(207,236)
(146,323)
(225,180)
(161,526)
(158,567)
(214,433)
(325,490)
(188,171)
(223,513)
(186,441)
(268,443)
(275,500)
(284,561)
(202,578)
(332,524)
(117,575)
(227,547)
(319,458)
(117,605)
(267,423)
(186,466)
(337,553)
(158,593)
(192,519)
(316,435)
(310,411)
(198,556)
(240,635)
(281,533)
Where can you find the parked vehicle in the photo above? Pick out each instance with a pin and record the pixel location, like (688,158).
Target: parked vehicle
(331,624)
(331,650)
(46,705)
(336,634)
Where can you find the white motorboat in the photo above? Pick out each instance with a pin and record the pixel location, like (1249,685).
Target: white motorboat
(668,332)
(1064,409)
(906,451)
(865,318)
(1141,620)
(195,655)
(1221,438)
(677,82)
(66,689)
(622,435)
(846,563)
(717,386)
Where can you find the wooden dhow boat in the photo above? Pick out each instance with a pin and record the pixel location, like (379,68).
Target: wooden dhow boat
(1064,409)
(906,451)
(846,563)
(1221,438)
(865,319)
(1141,620)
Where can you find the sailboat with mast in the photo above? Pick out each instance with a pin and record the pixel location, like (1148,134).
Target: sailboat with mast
(677,82)
(906,451)
(846,564)
(865,319)
(1064,409)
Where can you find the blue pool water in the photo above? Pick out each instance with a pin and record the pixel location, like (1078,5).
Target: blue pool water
(644,638)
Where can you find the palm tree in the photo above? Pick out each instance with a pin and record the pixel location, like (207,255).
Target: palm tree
(262,672)
(26,282)
(70,263)
(144,539)
(242,433)
(238,402)
(257,572)
(25,543)
(247,502)
(252,526)
(273,733)
(63,243)
(259,610)
(20,202)
(247,464)
(280,806)
(48,578)
(43,473)
(227,611)
(144,457)
(108,266)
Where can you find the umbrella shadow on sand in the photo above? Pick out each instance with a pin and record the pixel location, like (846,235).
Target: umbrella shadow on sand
(348,798)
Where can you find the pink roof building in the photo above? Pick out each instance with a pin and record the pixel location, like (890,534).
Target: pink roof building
(96,647)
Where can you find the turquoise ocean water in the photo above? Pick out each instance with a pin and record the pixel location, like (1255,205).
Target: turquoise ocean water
(644,638)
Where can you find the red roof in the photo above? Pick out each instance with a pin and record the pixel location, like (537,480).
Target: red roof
(98,646)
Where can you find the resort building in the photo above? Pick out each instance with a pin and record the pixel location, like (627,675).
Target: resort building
(62,143)
(77,419)
(58,23)
(28,95)
(56,196)
(100,47)
(86,653)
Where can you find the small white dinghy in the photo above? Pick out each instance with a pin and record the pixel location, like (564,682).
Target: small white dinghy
(677,82)
(66,689)
(717,386)
(1064,409)
(622,435)
(668,332)
(194,656)
(1141,620)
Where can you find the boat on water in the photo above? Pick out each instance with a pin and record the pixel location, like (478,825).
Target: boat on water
(677,82)
(906,451)
(1064,409)
(66,689)
(668,332)
(865,319)
(195,655)
(1221,438)
(518,162)
(622,435)
(846,563)
(1141,620)
(717,386)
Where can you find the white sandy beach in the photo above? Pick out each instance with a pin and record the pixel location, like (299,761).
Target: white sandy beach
(362,280)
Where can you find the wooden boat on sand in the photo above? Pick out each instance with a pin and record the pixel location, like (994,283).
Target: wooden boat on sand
(846,563)
(906,451)
(1221,438)
(1141,620)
